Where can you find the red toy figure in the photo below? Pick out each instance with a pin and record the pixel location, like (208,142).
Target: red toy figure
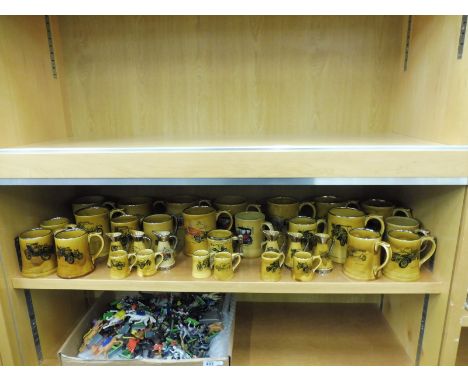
(132,344)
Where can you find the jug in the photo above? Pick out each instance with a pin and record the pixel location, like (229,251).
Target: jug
(165,249)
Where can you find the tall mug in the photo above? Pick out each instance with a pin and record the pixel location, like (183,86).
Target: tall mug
(250,225)
(95,219)
(198,221)
(340,221)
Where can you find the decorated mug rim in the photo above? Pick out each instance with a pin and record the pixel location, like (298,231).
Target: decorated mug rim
(326,198)
(250,215)
(362,229)
(275,199)
(212,233)
(414,235)
(147,219)
(404,218)
(57,218)
(67,230)
(197,253)
(103,209)
(199,209)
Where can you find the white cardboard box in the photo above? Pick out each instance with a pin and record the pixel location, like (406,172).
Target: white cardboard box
(67,354)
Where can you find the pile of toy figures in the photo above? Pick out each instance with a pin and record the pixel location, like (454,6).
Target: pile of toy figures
(169,326)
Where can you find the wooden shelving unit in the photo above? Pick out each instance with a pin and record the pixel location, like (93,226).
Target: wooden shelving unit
(269,334)
(257,106)
(246,280)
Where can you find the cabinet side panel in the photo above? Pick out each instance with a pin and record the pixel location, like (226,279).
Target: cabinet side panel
(429,100)
(204,78)
(31,108)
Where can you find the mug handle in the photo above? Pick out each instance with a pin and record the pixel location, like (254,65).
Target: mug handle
(404,212)
(131,265)
(147,239)
(319,263)
(240,241)
(322,222)
(254,207)
(236,262)
(109,204)
(283,257)
(176,223)
(388,255)
(231,220)
(204,202)
(268,225)
(353,204)
(176,241)
(159,202)
(99,236)
(158,263)
(311,205)
(379,219)
(116,211)
(425,239)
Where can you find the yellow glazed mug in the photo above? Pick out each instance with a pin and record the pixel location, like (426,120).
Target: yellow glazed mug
(340,221)
(404,223)
(119,264)
(146,263)
(363,254)
(224,265)
(222,240)
(324,203)
(233,204)
(37,252)
(140,206)
(57,223)
(91,201)
(271,265)
(74,254)
(308,227)
(405,263)
(283,208)
(198,221)
(384,208)
(124,223)
(201,266)
(250,225)
(303,266)
(95,219)
(153,224)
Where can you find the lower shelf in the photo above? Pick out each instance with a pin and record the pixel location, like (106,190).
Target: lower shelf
(462,354)
(246,280)
(314,334)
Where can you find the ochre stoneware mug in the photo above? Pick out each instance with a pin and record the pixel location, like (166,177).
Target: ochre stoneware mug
(75,255)
(363,254)
(405,263)
(384,208)
(224,264)
(37,252)
(91,201)
(121,263)
(283,208)
(95,219)
(340,221)
(271,265)
(198,221)
(222,240)
(147,262)
(57,223)
(305,265)
(155,223)
(324,203)
(250,225)
(201,265)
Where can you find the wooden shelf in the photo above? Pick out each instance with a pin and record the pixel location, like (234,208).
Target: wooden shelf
(326,156)
(314,334)
(246,280)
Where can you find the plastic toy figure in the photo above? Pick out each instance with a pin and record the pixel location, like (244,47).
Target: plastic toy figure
(90,334)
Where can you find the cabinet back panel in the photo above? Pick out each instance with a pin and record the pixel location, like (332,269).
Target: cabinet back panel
(208,78)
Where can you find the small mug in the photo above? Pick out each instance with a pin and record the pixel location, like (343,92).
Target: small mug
(303,266)
(57,223)
(37,252)
(222,240)
(224,264)
(363,254)
(404,223)
(405,263)
(74,252)
(155,223)
(201,266)
(146,263)
(271,265)
(91,201)
(119,264)
(124,223)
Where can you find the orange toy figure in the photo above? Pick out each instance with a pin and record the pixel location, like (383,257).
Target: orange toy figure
(90,334)
(107,345)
